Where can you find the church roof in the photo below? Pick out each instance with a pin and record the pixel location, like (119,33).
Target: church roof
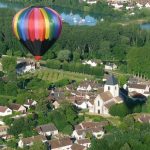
(111,80)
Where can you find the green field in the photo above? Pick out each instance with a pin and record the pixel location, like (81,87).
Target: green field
(53,75)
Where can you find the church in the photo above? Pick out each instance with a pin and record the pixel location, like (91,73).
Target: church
(109,97)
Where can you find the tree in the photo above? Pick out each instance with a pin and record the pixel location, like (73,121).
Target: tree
(76,56)
(38,146)
(11,88)
(146,106)
(64,55)
(9,63)
(120,110)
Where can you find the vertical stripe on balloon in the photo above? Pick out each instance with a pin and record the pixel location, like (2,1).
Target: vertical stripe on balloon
(15,23)
(47,24)
(31,30)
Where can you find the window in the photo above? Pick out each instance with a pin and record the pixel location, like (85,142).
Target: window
(98,103)
(115,88)
(108,88)
(98,111)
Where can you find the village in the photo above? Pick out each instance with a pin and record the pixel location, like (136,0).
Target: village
(88,96)
(119,4)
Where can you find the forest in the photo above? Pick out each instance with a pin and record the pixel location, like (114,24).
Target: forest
(127,45)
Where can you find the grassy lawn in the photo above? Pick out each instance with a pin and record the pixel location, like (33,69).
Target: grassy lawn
(8,97)
(114,120)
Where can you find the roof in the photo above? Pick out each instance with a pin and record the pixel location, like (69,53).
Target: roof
(111,80)
(88,125)
(46,128)
(14,106)
(106,96)
(29,102)
(77,147)
(33,139)
(118,99)
(137,86)
(57,143)
(109,104)
(83,141)
(3,108)
(4,127)
(144,118)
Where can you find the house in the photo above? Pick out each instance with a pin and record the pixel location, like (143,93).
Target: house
(84,142)
(89,1)
(30,140)
(24,67)
(3,130)
(5,111)
(78,147)
(60,144)
(89,62)
(30,103)
(56,104)
(47,129)
(109,97)
(88,85)
(110,66)
(95,128)
(116,6)
(139,88)
(17,108)
(143,118)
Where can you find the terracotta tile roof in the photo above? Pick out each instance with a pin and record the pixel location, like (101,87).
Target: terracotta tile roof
(46,128)
(14,106)
(78,127)
(33,139)
(145,118)
(106,96)
(83,141)
(137,86)
(3,108)
(91,130)
(57,143)
(118,99)
(4,127)
(77,147)
(88,125)
(109,104)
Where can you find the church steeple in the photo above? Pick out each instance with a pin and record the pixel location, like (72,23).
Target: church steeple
(112,86)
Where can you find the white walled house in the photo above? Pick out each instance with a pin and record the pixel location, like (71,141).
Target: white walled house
(30,140)
(95,128)
(84,88)
(25,67)
(139,88)
(3,130)
(110,66)
(79,134)
(47,129)
(89,62)
(5,111)
(84,142)
(29,103)
(17,108)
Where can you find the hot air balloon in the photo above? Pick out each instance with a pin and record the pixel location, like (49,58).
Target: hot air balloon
(37,28)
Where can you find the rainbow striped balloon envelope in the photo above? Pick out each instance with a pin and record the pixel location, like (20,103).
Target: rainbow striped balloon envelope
(37,28)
